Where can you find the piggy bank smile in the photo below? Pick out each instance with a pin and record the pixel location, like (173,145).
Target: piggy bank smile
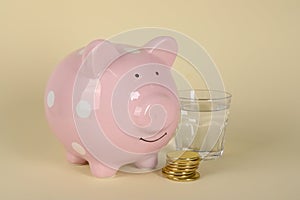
(154,140)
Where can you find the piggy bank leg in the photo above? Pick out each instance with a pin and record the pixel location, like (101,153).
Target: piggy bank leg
(75,159)
(149,162)
(101,171)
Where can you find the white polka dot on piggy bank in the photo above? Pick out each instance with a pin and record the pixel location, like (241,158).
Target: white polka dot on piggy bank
(83,109)
(50,99)
(118,103)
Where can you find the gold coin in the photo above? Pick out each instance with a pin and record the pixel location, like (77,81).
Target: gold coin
(172,168)
(183,166)
(173,172)
(193,178)
(179,176)
(183,155)
(181,162)
(190,165)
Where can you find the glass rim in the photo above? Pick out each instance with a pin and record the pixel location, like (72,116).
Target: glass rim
(227,95)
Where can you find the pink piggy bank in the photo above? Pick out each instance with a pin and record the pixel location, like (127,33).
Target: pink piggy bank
(114,104)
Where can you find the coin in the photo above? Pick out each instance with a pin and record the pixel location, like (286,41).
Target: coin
(173,172)
(179,176)
(195,177)
(172,168)
(186,163)
(181,162)
(183,166)
(182,155)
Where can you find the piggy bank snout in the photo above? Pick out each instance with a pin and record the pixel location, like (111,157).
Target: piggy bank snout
(153,108)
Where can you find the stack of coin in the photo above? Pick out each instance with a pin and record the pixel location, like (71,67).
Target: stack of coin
(182,166)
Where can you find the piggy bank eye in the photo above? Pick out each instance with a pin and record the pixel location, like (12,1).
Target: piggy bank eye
(157,73)
(137,75)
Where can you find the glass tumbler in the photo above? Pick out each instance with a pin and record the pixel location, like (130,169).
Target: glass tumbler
(204,116)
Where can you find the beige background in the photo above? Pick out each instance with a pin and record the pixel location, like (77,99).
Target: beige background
(256,46)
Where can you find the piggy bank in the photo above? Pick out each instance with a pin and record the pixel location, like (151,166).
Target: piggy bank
(114,104)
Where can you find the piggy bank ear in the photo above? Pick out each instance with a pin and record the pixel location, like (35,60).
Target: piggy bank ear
(97,56)
(163,47)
